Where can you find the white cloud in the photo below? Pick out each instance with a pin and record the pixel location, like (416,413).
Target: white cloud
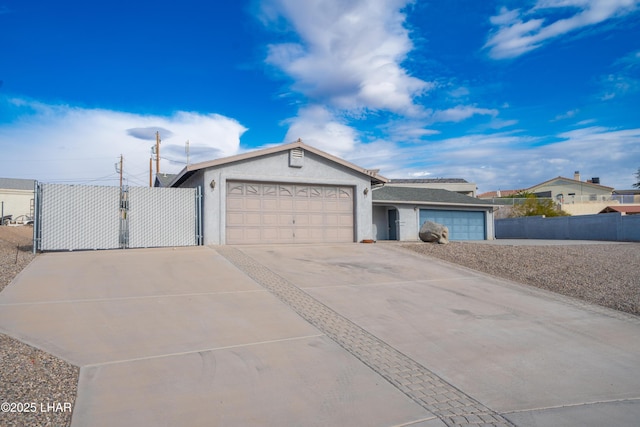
(460,113)
(317,126)
(519,31)
(349,53)
(64,143)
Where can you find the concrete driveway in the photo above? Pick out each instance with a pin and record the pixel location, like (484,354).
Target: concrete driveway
(357,335)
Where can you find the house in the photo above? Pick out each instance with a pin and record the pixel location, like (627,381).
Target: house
(290,193)
(458,185)
(573,196)
(399,212)
(622,209)
(16,197)
(567,190)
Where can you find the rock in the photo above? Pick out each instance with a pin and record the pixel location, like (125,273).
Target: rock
(434,232)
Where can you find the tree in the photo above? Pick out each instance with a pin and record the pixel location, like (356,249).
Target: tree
(637,184)
(532,206)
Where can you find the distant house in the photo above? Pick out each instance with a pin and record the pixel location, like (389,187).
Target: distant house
(574,196)
(163,179)
(457,185)
(567,190)
(622,209)
(16,197)
(399,212)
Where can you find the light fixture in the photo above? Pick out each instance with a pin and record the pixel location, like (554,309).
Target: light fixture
(366,191)
(212,184)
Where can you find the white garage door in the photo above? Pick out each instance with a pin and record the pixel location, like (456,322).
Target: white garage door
(259,212)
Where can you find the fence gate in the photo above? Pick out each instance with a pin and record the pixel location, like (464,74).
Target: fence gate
(77,217)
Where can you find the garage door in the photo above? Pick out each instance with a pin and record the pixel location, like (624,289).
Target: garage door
(463,225)
(288,213)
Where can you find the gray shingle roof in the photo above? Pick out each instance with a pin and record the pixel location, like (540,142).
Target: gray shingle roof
(16,184)
(427,195)
(429,181)
(165,178)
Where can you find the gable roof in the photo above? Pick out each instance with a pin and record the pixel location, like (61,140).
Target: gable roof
(17,184)
(191,169)
(164,179)
(626,209)
(425,196)
(571,181)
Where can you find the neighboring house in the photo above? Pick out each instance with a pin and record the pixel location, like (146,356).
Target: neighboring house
(567,190)
(399,212)
(291,193)
(16,196)
(573,196)
(622,209)
(457,185)
(164,179)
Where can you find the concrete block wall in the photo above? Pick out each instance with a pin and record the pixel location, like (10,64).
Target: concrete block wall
(608,227)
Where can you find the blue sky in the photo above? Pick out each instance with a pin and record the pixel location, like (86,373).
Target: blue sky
(505,94)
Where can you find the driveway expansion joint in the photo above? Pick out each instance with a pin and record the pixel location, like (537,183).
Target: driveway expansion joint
(452,406)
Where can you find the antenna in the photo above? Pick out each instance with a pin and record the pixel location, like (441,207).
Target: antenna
(157,152)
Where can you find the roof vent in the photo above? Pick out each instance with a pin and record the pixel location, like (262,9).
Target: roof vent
(296,158)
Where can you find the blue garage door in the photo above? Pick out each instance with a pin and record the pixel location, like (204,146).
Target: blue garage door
(463,225)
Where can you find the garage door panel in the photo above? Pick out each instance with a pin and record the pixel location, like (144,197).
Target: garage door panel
(252,204)
(270,219)
(270,205)
(345,220)
(285,205)
(253,218)
(284,213)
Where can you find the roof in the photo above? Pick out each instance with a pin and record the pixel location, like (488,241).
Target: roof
(429,181)
(627,192)
(425,196)
(571,180)
(17,184)
(626,209)
(164,179)
(499,193)
(191,169)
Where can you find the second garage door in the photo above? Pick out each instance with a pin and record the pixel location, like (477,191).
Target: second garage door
(463,225)
(259,212)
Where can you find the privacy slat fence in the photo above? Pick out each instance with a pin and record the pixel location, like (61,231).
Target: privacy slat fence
(81,217)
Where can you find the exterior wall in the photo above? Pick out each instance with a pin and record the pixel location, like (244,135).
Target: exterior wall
(409,220)
(609,227)
(275,168)
(16,202)
(585,208)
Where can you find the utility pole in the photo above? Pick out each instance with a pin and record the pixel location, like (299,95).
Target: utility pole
(186,149)
(157,153)
(151,171)
(119,169)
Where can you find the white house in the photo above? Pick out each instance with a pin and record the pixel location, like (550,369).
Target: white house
(291,193)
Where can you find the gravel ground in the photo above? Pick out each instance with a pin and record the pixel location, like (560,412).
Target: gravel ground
(603,274)
(30,379)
